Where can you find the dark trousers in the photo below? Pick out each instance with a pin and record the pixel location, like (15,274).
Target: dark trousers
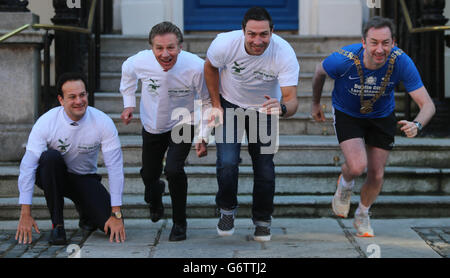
(227,168)
(90,197)
(154,146)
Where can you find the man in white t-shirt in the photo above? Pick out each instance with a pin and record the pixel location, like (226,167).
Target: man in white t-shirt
(255,71)
(61,159)
(172,79)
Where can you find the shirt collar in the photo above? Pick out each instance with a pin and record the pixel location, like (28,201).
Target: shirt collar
(72,122)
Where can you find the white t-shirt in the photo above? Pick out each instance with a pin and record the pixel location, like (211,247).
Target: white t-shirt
(244,78)
(163,91)
(79,146)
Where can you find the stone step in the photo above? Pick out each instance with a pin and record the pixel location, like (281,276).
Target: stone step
(284,206)
(110,82)
(290,180)
(112,102)
(299,124)
(200,43)
(112,62)
(312,150)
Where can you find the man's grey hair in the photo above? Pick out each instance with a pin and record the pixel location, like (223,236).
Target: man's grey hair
(165,27)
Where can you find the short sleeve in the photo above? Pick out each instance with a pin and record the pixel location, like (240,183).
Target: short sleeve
(409,73)
(216,52)
(333,65)
(290,68)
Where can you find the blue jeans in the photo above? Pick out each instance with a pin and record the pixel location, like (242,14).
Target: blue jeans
(228,158)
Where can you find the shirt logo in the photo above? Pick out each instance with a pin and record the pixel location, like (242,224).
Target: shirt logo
(353,78)
(153,87)
(264,75)
(88,148)
(179,92)
(63,145)
(371,80)
(237,68)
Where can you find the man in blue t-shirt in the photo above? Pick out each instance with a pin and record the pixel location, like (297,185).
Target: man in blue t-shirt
(363,104)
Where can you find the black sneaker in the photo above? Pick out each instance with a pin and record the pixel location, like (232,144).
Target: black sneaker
(178,232)
(225,227)
(58,236)
(262,233)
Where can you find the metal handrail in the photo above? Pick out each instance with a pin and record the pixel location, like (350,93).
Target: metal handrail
(87,30)
(412,29)
(17,31)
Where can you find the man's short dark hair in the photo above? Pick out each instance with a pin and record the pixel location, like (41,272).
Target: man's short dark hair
(257,13)
(69,76)
(165,27)
(378,22)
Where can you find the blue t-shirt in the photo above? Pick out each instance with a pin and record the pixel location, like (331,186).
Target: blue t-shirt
(347,85)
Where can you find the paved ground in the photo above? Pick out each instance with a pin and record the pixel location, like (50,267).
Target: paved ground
(291,238)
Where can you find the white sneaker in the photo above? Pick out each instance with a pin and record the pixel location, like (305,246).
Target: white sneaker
(341,200)
(362,225)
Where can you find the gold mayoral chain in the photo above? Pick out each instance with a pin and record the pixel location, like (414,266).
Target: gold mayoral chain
(367,105)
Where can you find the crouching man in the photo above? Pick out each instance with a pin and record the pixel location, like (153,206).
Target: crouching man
(61,159)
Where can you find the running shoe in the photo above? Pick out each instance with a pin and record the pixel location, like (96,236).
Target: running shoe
(341,199)
(362,225)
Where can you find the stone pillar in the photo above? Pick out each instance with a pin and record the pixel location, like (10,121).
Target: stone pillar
(20,79)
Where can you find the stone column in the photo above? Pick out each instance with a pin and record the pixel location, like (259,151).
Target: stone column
(20,79)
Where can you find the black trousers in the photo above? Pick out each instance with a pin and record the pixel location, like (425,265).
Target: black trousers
(90,197)
(154,146)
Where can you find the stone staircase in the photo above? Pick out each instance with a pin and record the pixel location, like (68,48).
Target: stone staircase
(417,180)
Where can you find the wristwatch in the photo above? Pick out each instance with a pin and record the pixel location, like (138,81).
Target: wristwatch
(117,214)
(283,109)
(419,125)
